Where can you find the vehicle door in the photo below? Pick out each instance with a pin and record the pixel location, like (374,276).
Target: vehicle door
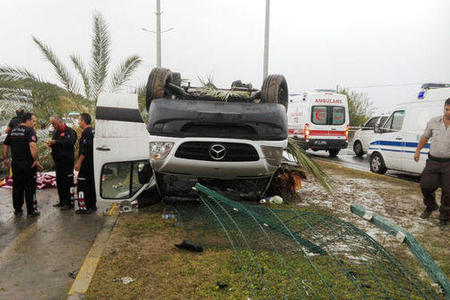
(120,147)
(296,116)
(338,122)
(367,134)
(391,140)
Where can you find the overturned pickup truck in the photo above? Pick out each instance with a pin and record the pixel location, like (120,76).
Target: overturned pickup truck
(229,140)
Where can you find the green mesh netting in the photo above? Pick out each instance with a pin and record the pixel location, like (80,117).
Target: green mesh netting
(290,254)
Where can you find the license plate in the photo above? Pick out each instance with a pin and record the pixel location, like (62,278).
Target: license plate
(320,142)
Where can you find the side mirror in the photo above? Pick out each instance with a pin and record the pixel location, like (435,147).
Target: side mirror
(145,172)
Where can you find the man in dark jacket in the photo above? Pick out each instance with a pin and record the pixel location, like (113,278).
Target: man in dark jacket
(85,164)
(62,144)
(16,121)
(22,140)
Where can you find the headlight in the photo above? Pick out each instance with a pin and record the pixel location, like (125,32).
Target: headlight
(273,154)
(160,150)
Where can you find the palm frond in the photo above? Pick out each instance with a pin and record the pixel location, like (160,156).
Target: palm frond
(79,66)
(63,75)
(123,73)
(101,43)
(9,73)
(303,160)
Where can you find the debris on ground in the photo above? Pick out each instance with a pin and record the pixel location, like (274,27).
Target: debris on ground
(187,245)
(124,280)
(73,274)
(221,285)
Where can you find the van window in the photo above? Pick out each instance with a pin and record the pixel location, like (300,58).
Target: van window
(395,121)
(328,115)
(338,115)
(382,120)
(370,125)
(319,115)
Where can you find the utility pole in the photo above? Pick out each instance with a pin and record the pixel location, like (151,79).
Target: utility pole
(266,41)
(158,33)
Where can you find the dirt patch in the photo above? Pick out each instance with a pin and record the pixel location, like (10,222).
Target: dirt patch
(397,200)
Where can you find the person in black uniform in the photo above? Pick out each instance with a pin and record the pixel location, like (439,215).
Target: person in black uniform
(22,140)
(87,198)
(16,121)
(62,144)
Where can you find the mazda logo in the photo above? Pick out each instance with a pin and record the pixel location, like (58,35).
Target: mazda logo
(217,151)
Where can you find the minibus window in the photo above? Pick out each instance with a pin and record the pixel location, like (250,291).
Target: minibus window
(319,115)
(395,121)
(338,115)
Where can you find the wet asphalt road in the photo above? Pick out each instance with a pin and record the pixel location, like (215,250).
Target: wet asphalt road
(347,158)
(37,254)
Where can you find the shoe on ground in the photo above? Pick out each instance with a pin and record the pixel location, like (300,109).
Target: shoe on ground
(94,208)
(58,205)
(66,207)
(82,212)
(443,224)
(35,214)
(427,212)
(18,213)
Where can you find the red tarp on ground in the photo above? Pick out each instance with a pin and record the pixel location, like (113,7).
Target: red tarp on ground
(43,181)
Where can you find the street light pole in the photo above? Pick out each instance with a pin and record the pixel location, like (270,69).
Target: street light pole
(158,33)
(266,41)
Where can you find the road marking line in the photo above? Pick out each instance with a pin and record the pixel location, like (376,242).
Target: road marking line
(81,283)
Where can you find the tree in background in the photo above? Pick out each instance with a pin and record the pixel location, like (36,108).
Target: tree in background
(360,108)
(94,80)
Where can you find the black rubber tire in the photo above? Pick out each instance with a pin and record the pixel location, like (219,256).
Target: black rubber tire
(176,78)
(377,164)
(357,148)
(334,152)
(275,90)
(156,83)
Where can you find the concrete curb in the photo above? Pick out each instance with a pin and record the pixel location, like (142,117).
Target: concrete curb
(81,283)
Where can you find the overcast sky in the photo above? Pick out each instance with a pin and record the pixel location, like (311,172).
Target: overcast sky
(315,44)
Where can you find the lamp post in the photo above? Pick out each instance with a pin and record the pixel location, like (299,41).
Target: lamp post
(266,41)
(158,32)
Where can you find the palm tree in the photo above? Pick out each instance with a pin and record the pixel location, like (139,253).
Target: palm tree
(94,79)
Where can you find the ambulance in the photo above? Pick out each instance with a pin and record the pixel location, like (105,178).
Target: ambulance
(319,120)
(395,142)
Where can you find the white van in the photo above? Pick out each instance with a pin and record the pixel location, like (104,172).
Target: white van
(365,134)
(320,120)
(395,143)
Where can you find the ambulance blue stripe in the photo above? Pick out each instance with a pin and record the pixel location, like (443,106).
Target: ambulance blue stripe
(394,150)
(399,144)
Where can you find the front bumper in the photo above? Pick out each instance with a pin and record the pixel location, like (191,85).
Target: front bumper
(215,169)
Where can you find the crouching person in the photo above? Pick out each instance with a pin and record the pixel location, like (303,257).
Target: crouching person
(85,165)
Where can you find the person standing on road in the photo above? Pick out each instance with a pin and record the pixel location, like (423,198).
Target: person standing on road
(85,165)
(437,169)
(22,140)
(62,144)
(16,121)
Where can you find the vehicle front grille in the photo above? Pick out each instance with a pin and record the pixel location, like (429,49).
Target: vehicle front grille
(201,151)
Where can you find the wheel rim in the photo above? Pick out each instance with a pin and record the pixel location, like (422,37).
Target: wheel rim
(376,163)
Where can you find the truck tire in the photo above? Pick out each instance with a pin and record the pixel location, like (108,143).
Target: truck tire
(176,78)
(377,164)
(275,90)
(156,84)
(334,152)
(357,148)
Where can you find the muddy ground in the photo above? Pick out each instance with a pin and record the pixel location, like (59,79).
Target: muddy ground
(142,244)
